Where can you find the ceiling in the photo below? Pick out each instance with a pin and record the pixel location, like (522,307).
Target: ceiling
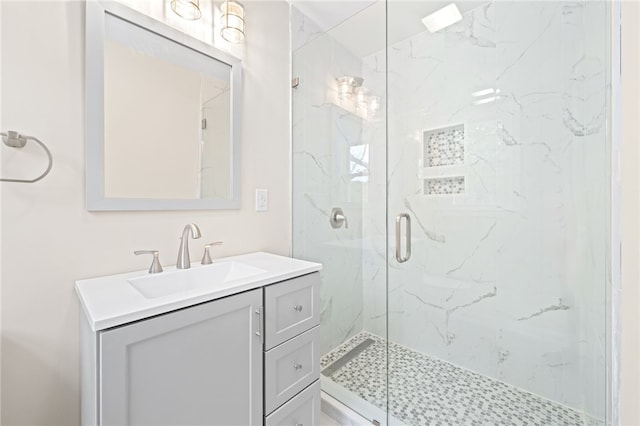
(360,25)
(329,13)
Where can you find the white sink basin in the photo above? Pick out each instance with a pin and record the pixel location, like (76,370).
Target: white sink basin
(184,280)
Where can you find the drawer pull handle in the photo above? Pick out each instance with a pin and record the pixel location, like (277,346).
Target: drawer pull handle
(260,332)
(298,424)
(297,308)
(297,366)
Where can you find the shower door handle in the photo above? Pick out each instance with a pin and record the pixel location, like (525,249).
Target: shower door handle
(407,255)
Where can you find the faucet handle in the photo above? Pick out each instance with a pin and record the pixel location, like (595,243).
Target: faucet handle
(156,267)
(206,258)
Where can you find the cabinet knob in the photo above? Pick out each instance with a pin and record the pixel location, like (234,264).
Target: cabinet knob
(297,366)
(297,308)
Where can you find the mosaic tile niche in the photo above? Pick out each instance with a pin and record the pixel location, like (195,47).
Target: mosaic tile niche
(444,146)
(445,185)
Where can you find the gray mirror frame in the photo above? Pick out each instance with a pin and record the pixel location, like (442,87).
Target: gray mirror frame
(94,92)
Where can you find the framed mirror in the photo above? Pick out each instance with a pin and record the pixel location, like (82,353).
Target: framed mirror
(163,116)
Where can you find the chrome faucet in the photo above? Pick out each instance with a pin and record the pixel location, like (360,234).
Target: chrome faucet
(184,261)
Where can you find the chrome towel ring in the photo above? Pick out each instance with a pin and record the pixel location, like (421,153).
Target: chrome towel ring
(16,140)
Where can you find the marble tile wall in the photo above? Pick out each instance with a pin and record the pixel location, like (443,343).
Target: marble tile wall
(508,278)
(324,131)
(303,29)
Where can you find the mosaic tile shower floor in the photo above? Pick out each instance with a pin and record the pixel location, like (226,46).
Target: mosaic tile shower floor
(428,391)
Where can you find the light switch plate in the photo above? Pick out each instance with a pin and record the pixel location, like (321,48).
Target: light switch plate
(262,200)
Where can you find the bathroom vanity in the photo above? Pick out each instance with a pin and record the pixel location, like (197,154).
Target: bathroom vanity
(232,343)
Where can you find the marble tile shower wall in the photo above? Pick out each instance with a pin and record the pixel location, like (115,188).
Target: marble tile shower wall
(507,279)
(322,135)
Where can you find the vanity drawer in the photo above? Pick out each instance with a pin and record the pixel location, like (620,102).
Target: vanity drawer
(291,307)
(303,409)
(291,367)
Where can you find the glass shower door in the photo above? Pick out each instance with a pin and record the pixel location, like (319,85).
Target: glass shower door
(498,160)
(338,130)
(454,183)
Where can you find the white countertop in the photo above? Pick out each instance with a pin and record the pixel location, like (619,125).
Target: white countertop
(111,301)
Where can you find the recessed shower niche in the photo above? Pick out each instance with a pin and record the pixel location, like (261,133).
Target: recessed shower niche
(444,186)
(443,159)
(444,146)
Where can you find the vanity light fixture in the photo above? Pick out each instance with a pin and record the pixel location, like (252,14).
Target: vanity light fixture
(352,90)
(232,21)
(361,97)
(187,9)
(347,86)
(344,87)
(442,18)
(374,105)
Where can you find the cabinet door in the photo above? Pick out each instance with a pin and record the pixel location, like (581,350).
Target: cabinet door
(197,366)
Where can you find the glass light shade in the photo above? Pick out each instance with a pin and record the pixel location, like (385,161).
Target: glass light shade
(187,9)
(232,21)
(344,87)
(374,105)
(361,97)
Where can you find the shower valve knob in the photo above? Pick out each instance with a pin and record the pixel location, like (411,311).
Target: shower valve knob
(337,218)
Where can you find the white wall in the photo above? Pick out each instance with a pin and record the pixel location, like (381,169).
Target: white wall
(49,239)
(630,186)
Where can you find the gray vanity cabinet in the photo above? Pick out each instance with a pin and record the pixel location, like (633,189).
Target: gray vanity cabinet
(247,359)
(196,366)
